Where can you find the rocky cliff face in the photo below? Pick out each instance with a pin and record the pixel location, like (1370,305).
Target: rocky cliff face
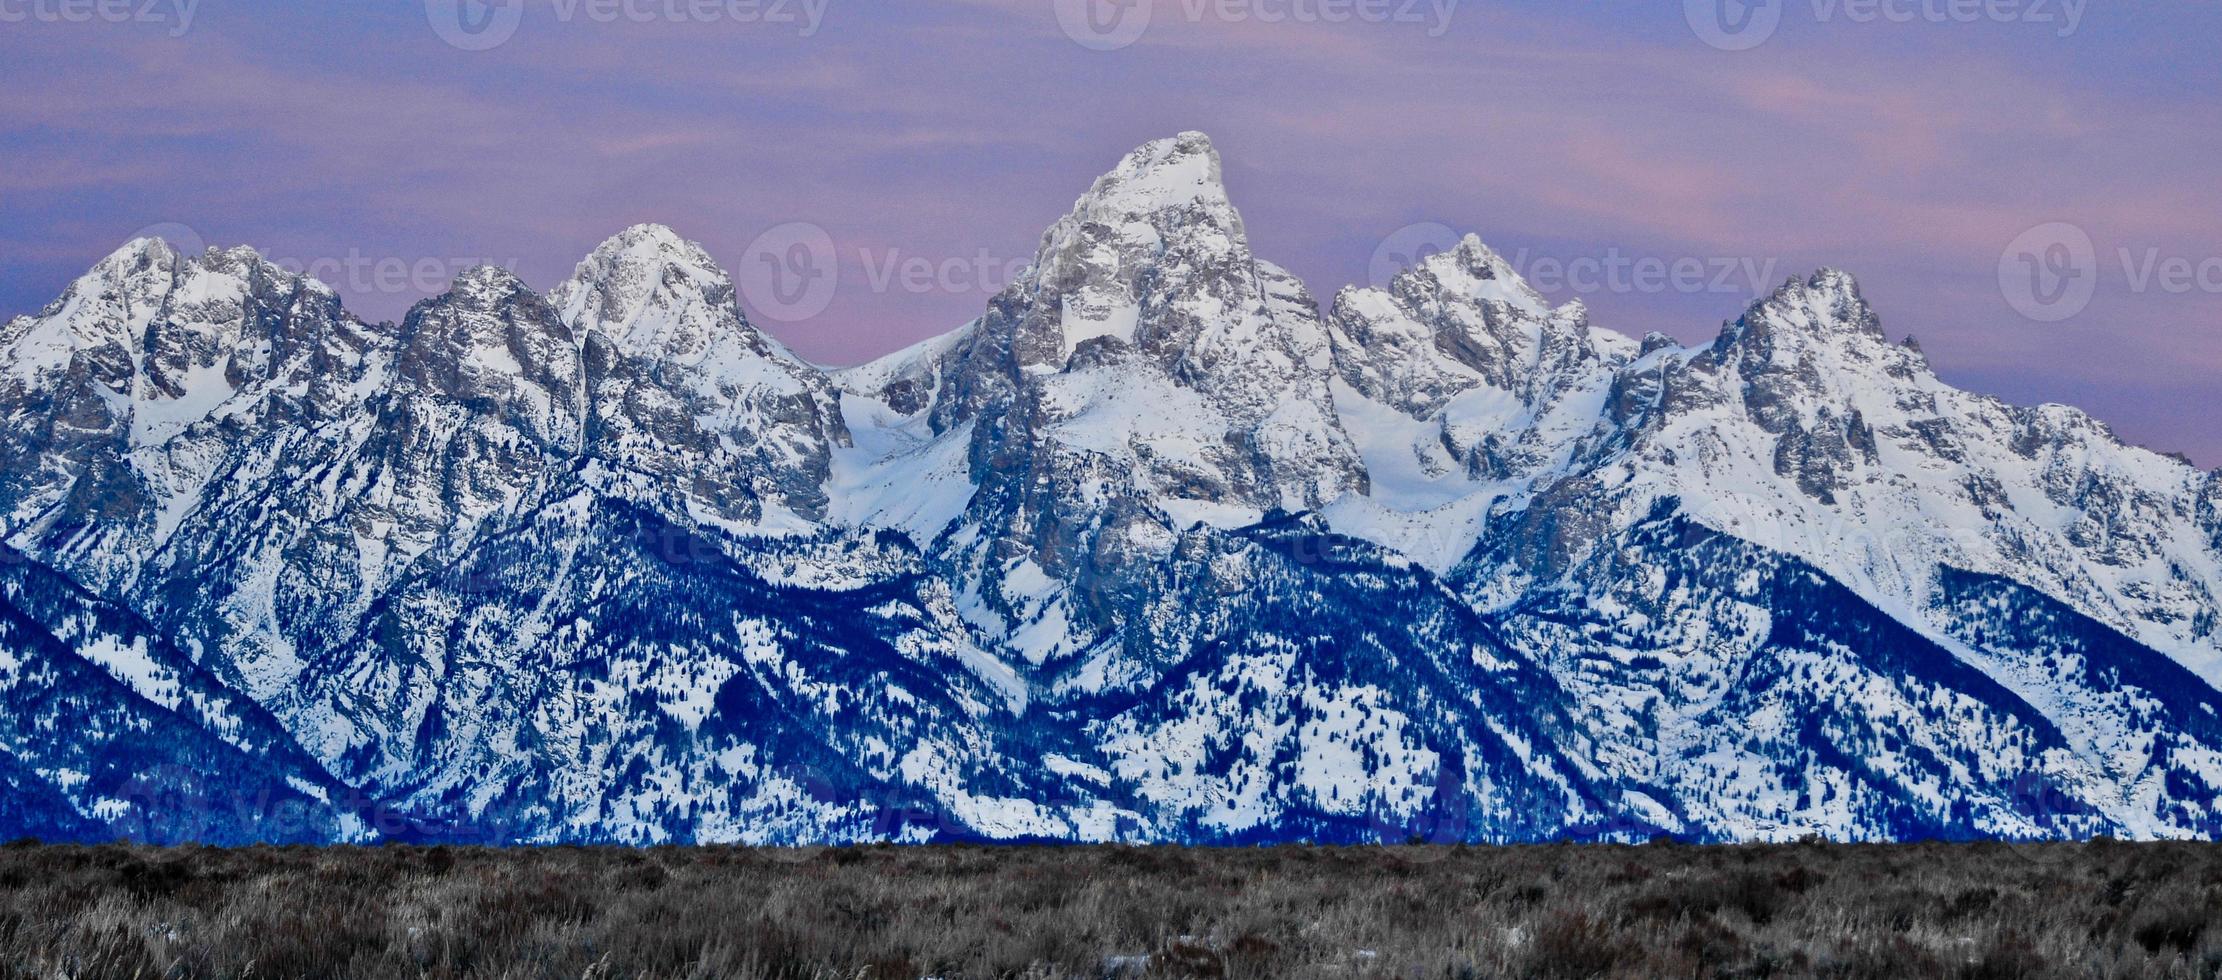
(1803,430)
(684,390)
(1152,550)
(1146,332)
(1144,378)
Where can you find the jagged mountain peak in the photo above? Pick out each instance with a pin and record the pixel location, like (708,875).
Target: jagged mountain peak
(489,325)
(105,310)
(1161,214)
(154,254)
(1153,257)
(237,257)
(1147,371)
(1461,318)
(1827,303)
(1472,271)
(653,234)
(489,305)
(125,283)
(481,285)
(1833,291)
(1819,334)
(657,295)
(148,297)
(683,386)
(1173,173)
(1156,223)
(1164,204)
(643,257)
(138,251)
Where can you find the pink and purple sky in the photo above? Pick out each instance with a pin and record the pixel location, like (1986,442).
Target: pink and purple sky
(1915,143)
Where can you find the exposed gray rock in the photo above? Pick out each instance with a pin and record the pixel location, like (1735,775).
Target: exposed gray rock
(1152,550)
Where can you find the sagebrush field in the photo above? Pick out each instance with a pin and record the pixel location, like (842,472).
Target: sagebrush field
(1988,910)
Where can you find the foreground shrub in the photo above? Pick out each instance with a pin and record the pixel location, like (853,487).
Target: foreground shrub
(1978,911)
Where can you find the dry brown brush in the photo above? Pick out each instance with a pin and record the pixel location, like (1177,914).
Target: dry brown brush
(1930,910)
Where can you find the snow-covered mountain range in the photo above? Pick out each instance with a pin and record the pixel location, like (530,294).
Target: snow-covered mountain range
(1156,549)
